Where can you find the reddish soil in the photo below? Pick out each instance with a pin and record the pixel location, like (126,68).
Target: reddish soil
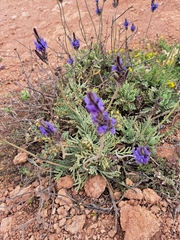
(26,221)
(17,20)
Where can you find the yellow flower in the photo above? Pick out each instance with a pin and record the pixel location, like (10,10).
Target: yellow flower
(171,84)
(149,55)
(136,55)
(130,69)
(170,61)
(109,52)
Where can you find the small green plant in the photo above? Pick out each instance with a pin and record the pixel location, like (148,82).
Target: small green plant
(24,95)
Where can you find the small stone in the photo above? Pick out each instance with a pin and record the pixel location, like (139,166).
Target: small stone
(63,198)
(13,17)
(56,227)
(6,224)
(15,191)
(134,193)
(62,222)
(20,158)
(117,195)
(151,196)
(2,207)
(76,225)
(23,195)
(64,182)
(129,182)
(62,212)
(95,186)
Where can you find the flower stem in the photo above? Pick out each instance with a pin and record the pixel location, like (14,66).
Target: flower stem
(170,113)
(97,156)
(91,19)
(113,97)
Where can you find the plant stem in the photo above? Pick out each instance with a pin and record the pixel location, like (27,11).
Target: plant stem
(31,154)
(91,19)
(170,113)
(64,24)
(113,97)
(81,23)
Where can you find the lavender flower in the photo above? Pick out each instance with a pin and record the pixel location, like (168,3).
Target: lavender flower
(75,42)
(94,104)
(95,107)
(126,24)
(118,67)
(133,28)
(41,46)
(141,154)
(46,128)
(98,9)
(154,6)
(70,60)
(120,70)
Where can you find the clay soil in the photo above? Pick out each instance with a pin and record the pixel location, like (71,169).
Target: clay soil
(40,213)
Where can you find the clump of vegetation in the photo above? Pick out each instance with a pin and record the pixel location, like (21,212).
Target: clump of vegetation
(103,111)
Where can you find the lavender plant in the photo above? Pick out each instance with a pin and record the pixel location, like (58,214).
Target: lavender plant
(77,135)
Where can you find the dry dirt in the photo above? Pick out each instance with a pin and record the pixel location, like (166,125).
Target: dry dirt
(40,212)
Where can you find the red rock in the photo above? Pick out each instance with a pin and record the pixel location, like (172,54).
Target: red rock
(64,182)
(138,223)
(22,195)
(63,198)
(135,194)
(76,225)
(20,158)
(95,186)
(151,196)
(6,224)
(129,182)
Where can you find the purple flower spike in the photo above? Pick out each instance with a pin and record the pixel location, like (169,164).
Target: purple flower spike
(46,128)
(120,70)
(133,28)
(40,45)
(126,24)
(102,129)
(99,116)
(70,60)
(99,11)
(141,155)
(75,42)
(94,104)
(154,6)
